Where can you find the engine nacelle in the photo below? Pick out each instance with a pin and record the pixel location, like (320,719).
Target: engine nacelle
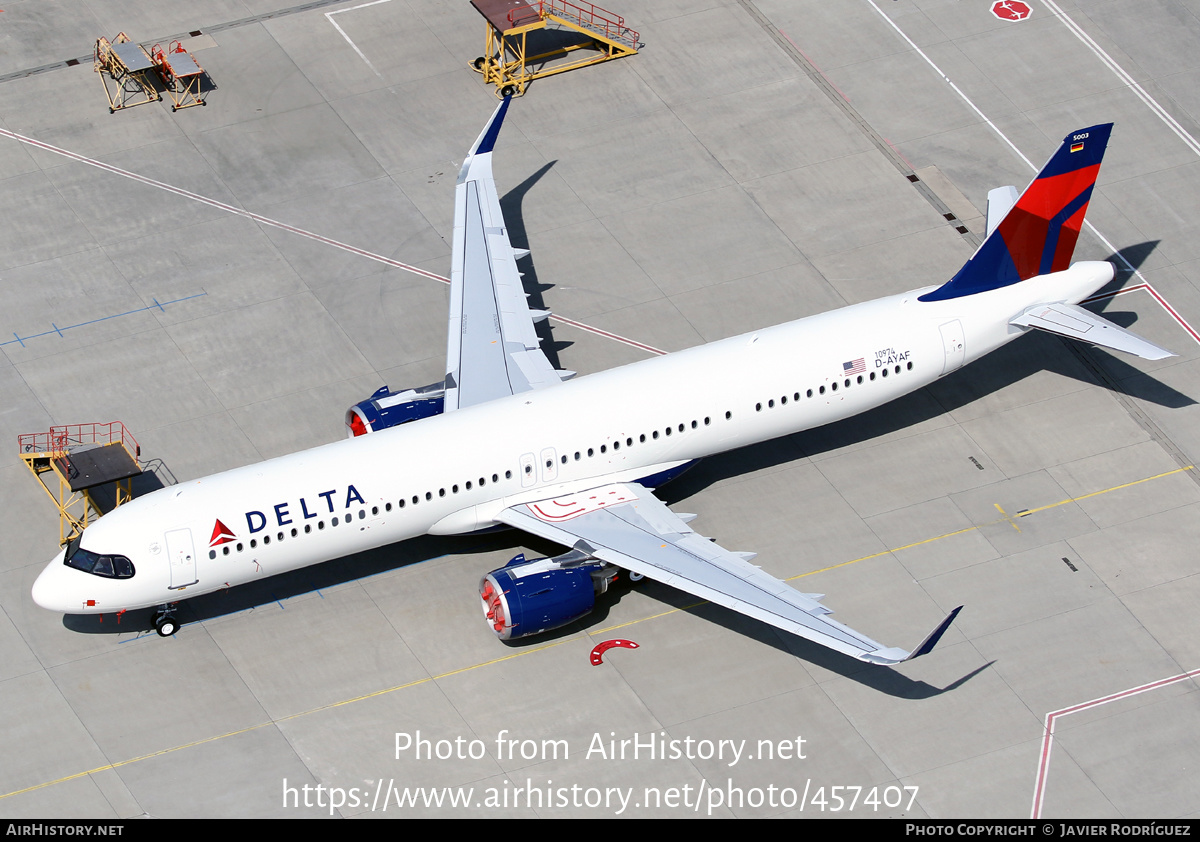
(529,597)
(389,409)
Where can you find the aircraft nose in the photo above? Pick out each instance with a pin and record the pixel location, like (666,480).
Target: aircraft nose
(47,590)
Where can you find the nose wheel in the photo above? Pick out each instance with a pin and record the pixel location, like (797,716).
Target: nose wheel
(165,623)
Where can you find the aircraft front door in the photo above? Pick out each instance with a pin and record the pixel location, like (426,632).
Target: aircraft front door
(182,556)
(954,345)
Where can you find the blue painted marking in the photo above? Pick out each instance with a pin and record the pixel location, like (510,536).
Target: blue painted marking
(59,331)
(138,636)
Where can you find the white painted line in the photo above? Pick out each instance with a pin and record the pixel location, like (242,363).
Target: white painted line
(1129,266)
(1039,790)
(1171,311)
(263,220)
(342,32)
(1120,73)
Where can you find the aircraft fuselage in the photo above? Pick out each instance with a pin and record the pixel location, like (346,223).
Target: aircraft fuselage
(454,473)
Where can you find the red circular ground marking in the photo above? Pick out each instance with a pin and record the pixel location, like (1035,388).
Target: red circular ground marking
(1011,9)
(601,648)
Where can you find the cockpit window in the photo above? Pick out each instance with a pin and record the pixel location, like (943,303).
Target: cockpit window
(108,566)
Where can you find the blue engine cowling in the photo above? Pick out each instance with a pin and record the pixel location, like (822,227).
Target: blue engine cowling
(529,597)
(389,409)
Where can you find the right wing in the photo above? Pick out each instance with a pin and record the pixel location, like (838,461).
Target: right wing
(492,350)
(626,525)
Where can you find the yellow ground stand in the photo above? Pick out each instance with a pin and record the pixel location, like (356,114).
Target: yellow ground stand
(181,73)
(506,62)
(83,458)
(126,64)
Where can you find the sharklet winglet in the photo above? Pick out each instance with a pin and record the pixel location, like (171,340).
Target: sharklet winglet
(928,643)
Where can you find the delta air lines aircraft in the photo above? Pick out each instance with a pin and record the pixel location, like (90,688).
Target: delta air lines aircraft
(508,440)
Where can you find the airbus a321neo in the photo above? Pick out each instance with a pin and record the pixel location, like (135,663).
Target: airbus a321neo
(507,439)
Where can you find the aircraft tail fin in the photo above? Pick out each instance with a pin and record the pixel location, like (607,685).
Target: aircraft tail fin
(1038,233)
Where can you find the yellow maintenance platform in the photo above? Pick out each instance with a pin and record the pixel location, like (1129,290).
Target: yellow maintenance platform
(181,74)
(506,62)
(126,64)
(83,457)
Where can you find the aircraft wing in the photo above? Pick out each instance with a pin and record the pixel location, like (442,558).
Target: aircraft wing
(626,525)
(492,350)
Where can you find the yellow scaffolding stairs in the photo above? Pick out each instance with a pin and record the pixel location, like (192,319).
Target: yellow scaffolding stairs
(83,457)
(506,62)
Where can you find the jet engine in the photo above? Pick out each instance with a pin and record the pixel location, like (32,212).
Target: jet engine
(529,597)
(389,409)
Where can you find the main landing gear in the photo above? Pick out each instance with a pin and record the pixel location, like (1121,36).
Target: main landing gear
(164,621)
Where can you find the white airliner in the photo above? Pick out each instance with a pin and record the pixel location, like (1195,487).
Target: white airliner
(507,439)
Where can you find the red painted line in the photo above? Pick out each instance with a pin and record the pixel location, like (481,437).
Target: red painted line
(814,64)
(1052,718)
(609,335)
(892,146)
(264,220)
(1157,297)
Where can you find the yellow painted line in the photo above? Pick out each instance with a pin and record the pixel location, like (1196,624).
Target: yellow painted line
(1011,522)
(535,649)
(1106,491)
(250,728)
(1026,513)
(882,553)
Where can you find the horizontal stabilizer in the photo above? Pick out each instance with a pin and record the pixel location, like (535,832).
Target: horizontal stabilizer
(1077,323)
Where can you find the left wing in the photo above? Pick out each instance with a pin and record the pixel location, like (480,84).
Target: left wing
(492,350)
(626,525)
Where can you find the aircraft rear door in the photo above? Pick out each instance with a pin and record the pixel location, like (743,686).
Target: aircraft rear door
(528,470)
(549,465)
(954,345)
(182,556)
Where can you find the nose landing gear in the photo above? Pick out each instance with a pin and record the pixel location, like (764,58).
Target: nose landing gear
(164,621)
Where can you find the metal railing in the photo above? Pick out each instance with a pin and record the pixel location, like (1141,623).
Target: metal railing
(588,15)
(67,437)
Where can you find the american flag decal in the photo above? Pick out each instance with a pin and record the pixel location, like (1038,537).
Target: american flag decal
(854,366)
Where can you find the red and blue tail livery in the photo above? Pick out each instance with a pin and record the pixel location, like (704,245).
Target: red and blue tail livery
(1038,234)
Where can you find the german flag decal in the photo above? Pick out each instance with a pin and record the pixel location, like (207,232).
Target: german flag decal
(1076,147)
